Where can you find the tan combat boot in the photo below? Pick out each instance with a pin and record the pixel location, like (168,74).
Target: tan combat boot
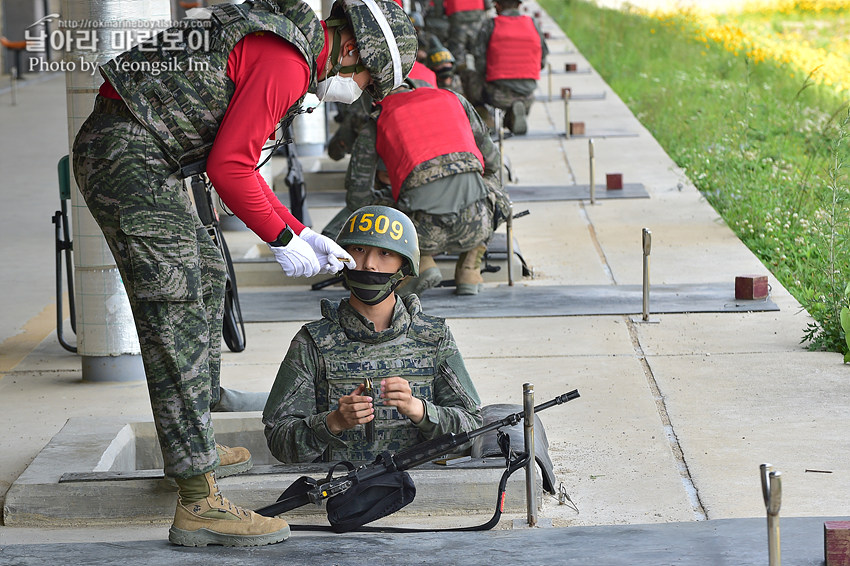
(468,280)
(232,460)
(429,276)
(204,516)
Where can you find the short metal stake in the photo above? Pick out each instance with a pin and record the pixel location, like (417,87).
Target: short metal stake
(567,117)
(592,171)
(646,240)
(549,72)
(530,470)
(771,487)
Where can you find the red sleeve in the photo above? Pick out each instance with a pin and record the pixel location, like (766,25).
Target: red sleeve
(269,75)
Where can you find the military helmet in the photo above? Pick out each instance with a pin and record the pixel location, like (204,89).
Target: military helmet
(386,41)
(383,227)
(417,20)
(439,57)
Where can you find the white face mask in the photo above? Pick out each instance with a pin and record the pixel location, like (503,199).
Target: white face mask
(338,89)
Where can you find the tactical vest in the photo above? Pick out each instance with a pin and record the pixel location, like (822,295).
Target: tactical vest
(514,51)
(423,73)
(416,126)
(183,104)
(411,355)
(452,6)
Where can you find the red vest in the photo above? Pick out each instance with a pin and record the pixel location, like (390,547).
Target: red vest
(423,73)
(452,6)
(514,51)
(419,125)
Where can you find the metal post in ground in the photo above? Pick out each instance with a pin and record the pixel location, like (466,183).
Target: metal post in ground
(567,117)
(530,469)
(646,244)
(771,487)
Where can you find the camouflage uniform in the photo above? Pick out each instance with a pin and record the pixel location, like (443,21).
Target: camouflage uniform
(328,358)
(350,117)
(436,21)
(126,162)
(502,93)
(454,232)
(463,32)
(183,108)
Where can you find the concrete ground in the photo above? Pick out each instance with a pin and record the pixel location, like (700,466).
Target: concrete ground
(674,419)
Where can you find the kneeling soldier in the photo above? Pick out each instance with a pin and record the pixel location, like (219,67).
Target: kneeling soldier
(509,54)
(441,170)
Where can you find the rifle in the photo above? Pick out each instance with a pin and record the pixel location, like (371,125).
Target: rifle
(306,490)
(295,180)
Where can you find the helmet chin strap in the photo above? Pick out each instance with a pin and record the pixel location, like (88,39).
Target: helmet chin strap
(340,24)
(372,287)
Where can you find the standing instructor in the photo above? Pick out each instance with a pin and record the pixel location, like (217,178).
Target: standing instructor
(213,108)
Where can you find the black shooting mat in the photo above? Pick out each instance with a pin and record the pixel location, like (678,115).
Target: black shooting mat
(579,97)
(534,193)
(718,542)
(300,303)
(518,193)
(555,134)
(564,71)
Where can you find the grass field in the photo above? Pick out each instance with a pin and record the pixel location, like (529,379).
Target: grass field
(757,119)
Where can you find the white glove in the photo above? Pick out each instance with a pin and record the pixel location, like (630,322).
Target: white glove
(296,258)
(332,257)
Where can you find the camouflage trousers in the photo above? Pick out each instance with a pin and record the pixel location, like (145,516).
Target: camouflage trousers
(173,272)
(463,32)
(454,233)
(478,91)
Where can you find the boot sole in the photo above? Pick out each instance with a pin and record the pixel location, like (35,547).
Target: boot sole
(233,469)
(204,537)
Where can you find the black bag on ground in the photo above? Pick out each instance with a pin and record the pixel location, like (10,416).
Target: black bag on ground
(369,500)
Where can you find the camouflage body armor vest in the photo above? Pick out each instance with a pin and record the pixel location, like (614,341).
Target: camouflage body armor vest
(182,105)
(411,355)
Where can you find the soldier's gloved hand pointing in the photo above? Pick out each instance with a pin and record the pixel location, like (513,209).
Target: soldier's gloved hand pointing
(296,257)
(331,256)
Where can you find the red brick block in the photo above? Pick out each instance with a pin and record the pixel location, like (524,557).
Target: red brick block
(570,67)
(836,543)
(614,181)
(749,287)
(576,128)
(566,92)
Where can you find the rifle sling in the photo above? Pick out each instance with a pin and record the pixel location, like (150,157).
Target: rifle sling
(516,464)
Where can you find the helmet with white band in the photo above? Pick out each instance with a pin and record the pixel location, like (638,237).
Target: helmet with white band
(385,39)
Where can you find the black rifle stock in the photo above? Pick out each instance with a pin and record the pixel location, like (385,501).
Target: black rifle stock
(307,490)
(295,181)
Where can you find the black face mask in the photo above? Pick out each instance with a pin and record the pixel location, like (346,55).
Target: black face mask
(371,287)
